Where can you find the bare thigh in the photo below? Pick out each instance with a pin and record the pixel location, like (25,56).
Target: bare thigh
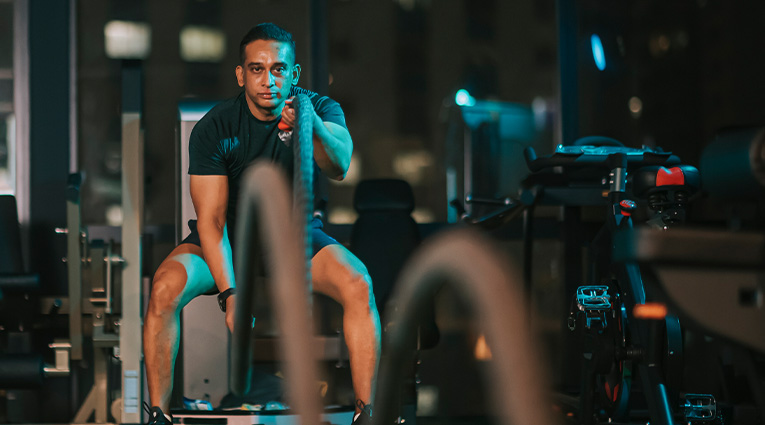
(183,275)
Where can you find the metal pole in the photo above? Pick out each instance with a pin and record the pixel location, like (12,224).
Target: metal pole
(131,347)
(319,51)
(73,163)
(74,263)
(569,126)
(569,76)
(21,110)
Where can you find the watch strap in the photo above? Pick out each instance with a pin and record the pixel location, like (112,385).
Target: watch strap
(223,296)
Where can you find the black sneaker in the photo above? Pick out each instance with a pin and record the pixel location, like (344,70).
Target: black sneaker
(365,417)
(156,416)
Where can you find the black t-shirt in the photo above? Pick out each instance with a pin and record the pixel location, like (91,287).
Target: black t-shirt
(229,138)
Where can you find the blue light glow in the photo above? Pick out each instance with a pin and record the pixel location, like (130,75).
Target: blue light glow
(597,52)
(463,98)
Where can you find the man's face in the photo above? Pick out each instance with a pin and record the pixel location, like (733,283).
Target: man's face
(267,74)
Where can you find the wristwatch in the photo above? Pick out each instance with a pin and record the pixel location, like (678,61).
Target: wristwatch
(223,296)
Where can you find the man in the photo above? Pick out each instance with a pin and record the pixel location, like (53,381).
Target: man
(224,142)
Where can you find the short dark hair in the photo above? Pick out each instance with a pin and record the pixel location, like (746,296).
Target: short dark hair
(266,31)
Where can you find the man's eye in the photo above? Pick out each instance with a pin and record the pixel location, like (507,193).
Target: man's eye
(256,69)
(280,69)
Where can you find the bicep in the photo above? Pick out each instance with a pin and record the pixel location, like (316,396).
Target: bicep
(339,132)
(209,195)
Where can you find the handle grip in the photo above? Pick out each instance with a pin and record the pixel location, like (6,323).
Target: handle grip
(597,157)
(283,126)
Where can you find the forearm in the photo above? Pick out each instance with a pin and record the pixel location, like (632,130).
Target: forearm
(332,151)
(216,249)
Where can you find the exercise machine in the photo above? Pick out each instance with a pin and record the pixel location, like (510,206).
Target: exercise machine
(619,341)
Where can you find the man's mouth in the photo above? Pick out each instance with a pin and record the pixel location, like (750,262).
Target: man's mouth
(267,95)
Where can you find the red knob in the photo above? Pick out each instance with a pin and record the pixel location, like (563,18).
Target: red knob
(627,206)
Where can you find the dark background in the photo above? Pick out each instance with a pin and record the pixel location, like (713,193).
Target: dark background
(695,65)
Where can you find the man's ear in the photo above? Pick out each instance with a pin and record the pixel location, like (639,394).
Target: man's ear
(240,75)
(295,74)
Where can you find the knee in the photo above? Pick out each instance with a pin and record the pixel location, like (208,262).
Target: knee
(165,292)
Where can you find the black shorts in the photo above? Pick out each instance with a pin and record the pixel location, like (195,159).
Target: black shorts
(318,237)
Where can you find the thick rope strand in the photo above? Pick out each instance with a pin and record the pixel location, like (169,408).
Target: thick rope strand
(303,176)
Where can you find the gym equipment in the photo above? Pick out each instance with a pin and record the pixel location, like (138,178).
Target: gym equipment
(12,273)
(105,283)
(502,212)
(96,258)
(733,164)
(131,322)
(484,146)
(704,273)
(384,225)
(471,264)
(703,270)
(303,178)
(199,361)
(384,237)
(104,291)
(615,343)
(20,368)
(713,279)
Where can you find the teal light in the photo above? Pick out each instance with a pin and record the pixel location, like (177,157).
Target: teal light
(463,98)
(597,52)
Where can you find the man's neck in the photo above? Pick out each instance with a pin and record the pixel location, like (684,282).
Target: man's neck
(261,113)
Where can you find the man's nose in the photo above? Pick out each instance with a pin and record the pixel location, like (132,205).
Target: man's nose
(269,80)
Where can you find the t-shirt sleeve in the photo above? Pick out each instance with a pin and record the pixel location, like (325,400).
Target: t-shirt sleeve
(205,154)
(330,111)
(326,108)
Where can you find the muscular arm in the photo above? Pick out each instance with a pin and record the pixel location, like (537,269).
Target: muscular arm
(332,148)
(210,197)
(332,144)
